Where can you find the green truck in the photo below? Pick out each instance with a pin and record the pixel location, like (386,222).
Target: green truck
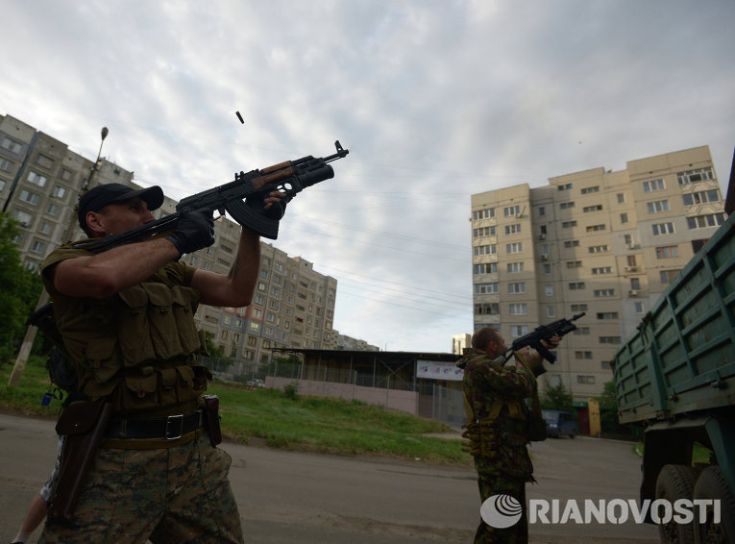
(675,378)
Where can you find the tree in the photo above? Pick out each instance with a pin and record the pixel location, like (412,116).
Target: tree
(214,355)
(19,293)
(556,397)
(609,411)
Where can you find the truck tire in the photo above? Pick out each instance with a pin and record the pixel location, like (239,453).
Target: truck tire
(676,482)
(712,485)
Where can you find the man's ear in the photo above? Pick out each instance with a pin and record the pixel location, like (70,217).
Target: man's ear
(94,223)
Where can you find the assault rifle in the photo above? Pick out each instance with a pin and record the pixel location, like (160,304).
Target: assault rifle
(544,332)
(289,177)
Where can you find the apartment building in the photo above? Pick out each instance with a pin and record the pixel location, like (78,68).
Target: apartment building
(293,305)
(596,241)
(460,342)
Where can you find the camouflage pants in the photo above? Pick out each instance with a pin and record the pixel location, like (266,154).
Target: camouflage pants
(496,485)
(180,494)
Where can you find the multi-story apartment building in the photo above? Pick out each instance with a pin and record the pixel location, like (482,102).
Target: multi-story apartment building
(601,242)
(293,305)
(460,342)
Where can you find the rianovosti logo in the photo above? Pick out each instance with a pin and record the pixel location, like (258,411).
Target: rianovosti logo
(503,511)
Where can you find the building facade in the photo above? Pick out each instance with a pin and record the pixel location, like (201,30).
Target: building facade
(293,304)
(460,342)
(601,242)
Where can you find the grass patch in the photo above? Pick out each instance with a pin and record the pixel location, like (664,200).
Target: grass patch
(285,421)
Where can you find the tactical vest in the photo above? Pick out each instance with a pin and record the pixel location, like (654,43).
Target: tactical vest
(137,347)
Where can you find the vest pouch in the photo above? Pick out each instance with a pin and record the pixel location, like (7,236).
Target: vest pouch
(102,363)
(164,330)
(140,393)
(185,389)
(134,330)
(185,300)
(167,392)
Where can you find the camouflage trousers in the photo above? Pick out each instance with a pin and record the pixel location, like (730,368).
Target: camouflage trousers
(498,485)
(179,494)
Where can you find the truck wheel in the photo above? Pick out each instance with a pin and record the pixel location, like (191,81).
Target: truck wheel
(712,485)
(675,482)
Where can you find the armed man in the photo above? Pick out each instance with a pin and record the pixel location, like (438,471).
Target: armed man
(126,319)
(500,424)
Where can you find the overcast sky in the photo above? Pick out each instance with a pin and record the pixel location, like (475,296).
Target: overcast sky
(436,100)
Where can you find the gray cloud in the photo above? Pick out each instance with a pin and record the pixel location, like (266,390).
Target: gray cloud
(436,100)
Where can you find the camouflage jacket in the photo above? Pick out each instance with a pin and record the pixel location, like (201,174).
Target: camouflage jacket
(497,415)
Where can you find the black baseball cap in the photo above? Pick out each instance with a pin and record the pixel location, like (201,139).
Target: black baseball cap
(110,193)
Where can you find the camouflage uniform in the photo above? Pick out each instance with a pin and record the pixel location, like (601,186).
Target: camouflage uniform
(497,431)
(139,350)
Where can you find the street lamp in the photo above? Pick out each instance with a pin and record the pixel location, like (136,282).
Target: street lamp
(25,347)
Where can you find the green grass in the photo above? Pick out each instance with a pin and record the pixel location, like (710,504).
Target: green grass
(305,423)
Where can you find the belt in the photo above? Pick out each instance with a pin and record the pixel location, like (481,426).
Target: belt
(167,427)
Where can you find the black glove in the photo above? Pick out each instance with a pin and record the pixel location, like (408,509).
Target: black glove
(194,231)
(257,203)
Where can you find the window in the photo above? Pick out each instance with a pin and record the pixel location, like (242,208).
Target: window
(585,379)
(515,267)
(564,187)
(46,228)
(483,231)
(486,288)
(515,247)
(66,175)
(595,228)
(609,339)
(653,185)
(487,213)
(602,270)
(667,276)
(566,205)
(38,247)
(488,249)
(485,268)
(260,299)
(515,228)
(37,179)
(516,288)
(658,206)
(25,219)
(621,198)
(574,264)
(705,221)
(44,162)
(583,355)
(549,290)
(603,293)
(582,331)
(568,224)
(608,315)
(261,285)
(550,311)
(662,228)
(588,190)
(53,209)
(58,192)
(597,249)
(547,268)
(10,145)
(29,197)
(576,285)
(541,210)
(667,252)
(516,331)
(595,208)
(694,176)
(700,197)
(571,243)
(512,211)
(639,307)
(5,165)
(487,308)
(631,260)
(635,284)
(623,218)
(579,308)
(519,308)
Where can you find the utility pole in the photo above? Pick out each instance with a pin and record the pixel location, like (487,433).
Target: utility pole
(25,348)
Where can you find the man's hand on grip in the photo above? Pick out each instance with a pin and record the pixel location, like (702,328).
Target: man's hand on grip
(194,231)
(272,205)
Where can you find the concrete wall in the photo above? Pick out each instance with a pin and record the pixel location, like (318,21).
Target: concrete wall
(405,401)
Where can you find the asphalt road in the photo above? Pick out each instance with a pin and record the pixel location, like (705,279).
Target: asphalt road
(287,497)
